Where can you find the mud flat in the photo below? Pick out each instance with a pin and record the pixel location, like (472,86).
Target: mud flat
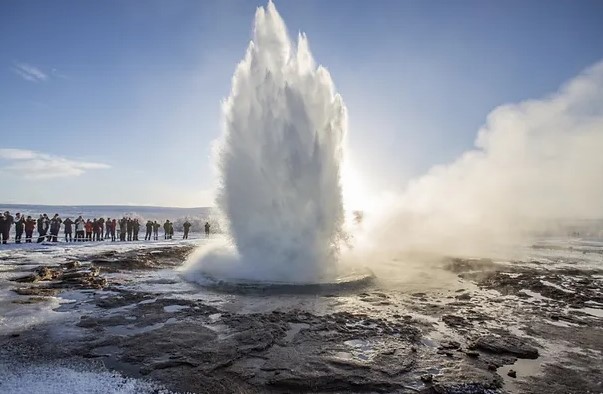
(524,326)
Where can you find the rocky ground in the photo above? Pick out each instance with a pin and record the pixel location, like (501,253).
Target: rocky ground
(525,326)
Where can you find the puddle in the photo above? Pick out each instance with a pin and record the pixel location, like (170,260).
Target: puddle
(221,329)
(174,308)
(429,342)
(130,329)
(524,368)
(561,323)
(150,301)
(551,284)
(591,311)
(534,295)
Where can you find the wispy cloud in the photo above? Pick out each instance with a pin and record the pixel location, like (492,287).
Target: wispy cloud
(29,72)
(35,165)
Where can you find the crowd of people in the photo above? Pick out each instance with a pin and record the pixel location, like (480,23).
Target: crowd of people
(80,229)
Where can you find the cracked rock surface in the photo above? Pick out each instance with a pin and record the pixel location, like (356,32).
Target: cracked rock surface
(460,326)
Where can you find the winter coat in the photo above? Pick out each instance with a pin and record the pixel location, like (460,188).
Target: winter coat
(68,223)
(88,226)
(55,224)
(30,225)
(20,224)
(80,225)
(42,224)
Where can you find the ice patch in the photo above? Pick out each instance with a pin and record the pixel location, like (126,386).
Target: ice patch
(48,379)
(550,284)
(174,308)
(592,311)
(16,317)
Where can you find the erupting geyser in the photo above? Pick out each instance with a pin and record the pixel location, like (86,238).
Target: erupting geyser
(279,162)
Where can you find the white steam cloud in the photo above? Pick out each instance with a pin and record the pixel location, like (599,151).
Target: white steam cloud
(534,163)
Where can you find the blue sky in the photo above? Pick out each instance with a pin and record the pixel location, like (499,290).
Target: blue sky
(118,102)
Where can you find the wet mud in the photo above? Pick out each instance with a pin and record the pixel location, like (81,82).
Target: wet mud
(521,327)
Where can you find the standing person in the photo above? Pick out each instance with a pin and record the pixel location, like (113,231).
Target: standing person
(30,226)
(113,227)
(187,227)
(55,227)
(96,230)
(19,227)
(4,229)
(101,228)
(108,228)
(135,229)
(171,230)
(207,226)
(68,229)
(129,228)
(42,223)
(149,226)
(122,229)
(166,229)
(89,226)
(9,220)
(156,230)
(80,228)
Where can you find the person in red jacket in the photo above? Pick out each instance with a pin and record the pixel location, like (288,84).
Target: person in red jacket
(89,227)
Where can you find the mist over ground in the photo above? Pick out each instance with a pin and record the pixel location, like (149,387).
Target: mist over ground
(536,165)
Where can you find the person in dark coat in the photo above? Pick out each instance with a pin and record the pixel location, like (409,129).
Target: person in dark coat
(30,226)
(122,229)
(135,229)
(108,228)
(156,227)
(112,227)
(9,223)
(187,226)
(55,227)
(4,228)
(43,224)
(19,227)
(129,228)
(207,226)
(149,232)
(96,230)
(68,230)
(166,229)
(101,228)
